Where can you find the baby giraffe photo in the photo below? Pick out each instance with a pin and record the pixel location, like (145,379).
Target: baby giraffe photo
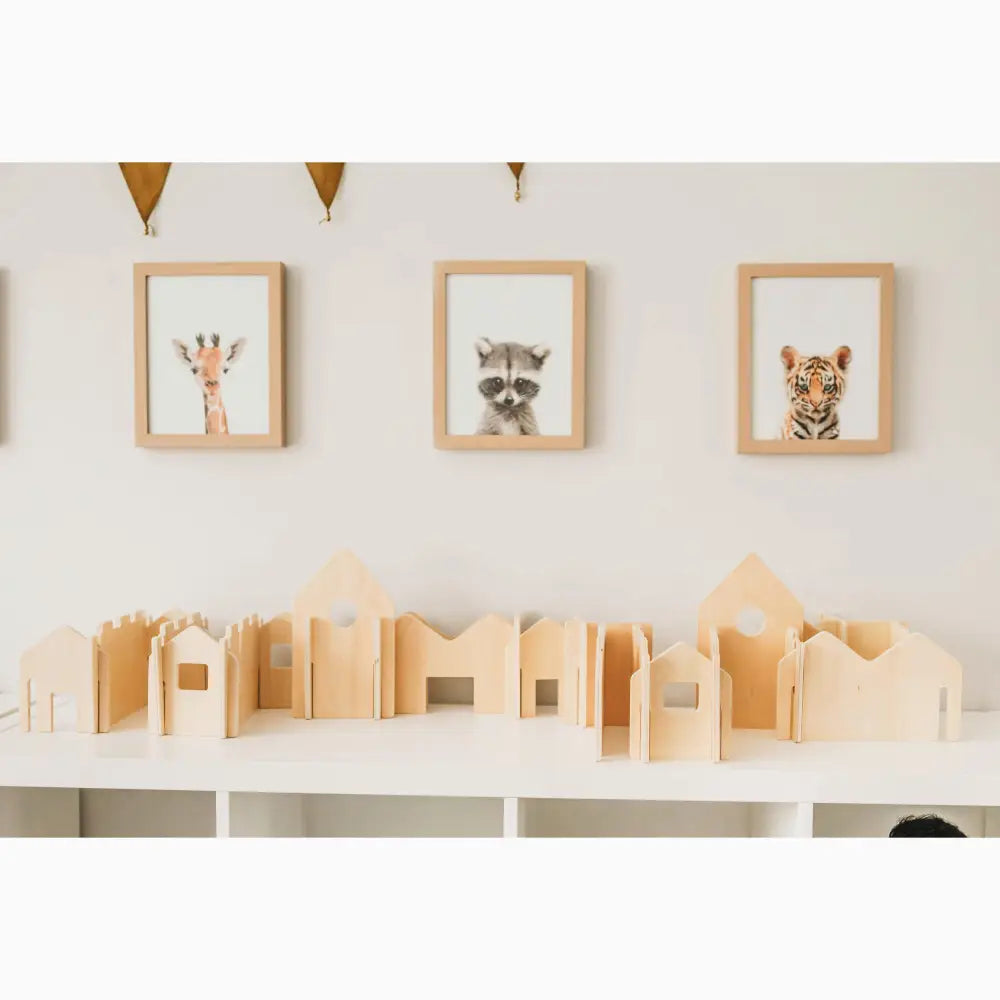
(510,379)
(209,365)
(227,391)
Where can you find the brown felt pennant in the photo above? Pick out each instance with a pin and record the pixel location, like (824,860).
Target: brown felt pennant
(515,169)
(326,177)
(145,182)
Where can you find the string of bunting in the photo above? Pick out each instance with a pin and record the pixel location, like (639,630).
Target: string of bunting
(145,182)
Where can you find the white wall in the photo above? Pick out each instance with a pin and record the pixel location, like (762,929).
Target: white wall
(639,525)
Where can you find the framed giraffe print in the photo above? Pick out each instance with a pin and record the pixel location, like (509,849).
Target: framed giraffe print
(815,358)
(509,354)
(209,355)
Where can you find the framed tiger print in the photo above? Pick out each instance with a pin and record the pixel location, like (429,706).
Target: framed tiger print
(509,354)
(815,358)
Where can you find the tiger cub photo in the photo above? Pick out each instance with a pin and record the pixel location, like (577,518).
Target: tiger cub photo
(509,380)
(814,386)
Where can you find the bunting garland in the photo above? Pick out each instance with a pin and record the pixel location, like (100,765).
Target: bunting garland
(326,177)
(145,183)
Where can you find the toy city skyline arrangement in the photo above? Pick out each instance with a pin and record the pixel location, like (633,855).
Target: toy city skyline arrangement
(835,680)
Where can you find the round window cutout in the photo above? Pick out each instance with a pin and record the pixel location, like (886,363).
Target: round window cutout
(343,614)
(751,621)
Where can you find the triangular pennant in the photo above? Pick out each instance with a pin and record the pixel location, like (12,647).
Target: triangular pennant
(145,181)
(326,177)
(515,169)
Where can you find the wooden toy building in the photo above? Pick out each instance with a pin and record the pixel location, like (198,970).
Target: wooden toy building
(839,680)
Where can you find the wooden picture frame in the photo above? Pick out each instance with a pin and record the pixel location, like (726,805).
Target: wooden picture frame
(570,370)
(881,354)
(272,332)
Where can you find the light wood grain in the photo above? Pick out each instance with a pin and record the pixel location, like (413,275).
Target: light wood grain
(64,662)
(674,733)
(751,661)
(275,682)
(124,662)
(829,692)
(543,657)
(243,655)
(192,713)
(344,578)
(480,652)
(619,665)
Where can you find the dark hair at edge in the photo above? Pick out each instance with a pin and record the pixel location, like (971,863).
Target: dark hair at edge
(925,826)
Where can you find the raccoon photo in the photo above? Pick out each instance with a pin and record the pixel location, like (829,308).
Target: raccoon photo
(509,380)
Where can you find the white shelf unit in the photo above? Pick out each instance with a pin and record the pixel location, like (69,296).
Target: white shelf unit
(453,773)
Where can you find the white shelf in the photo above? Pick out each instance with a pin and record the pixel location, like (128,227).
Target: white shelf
(452,752)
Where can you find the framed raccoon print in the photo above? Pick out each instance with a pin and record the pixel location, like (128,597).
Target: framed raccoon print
(209,355)
(815,358)
(509,354)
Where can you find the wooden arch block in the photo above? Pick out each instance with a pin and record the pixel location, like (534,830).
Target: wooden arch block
(332,667)
(480,652)
(751,660)
(826,691)
(64,662)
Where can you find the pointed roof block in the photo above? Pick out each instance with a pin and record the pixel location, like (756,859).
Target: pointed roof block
(58,648)
(749,585)
(343,578)
(194,639)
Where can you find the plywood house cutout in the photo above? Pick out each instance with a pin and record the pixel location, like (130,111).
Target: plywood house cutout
(242,653)
(63,663)
(751,660)
(619,655)
(619,664)
(333,666)
(276,662)
(188,694)
(482,652)
(827,691)
(581,649)
(122,683)
(124,663)
(662,729)
(549,651)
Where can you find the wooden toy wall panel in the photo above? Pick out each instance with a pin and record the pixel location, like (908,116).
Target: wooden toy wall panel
(193,668)
(123,683)
(387,666)
(895,696)
(588,685)
(64,662)
(619,665)
(751,660)
(242,648)
(343,579)
(548,652)
(680,733)
(275,681)
(343,665)
(871,639)
(480,652)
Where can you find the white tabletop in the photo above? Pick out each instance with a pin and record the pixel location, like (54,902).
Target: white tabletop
(452,751)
